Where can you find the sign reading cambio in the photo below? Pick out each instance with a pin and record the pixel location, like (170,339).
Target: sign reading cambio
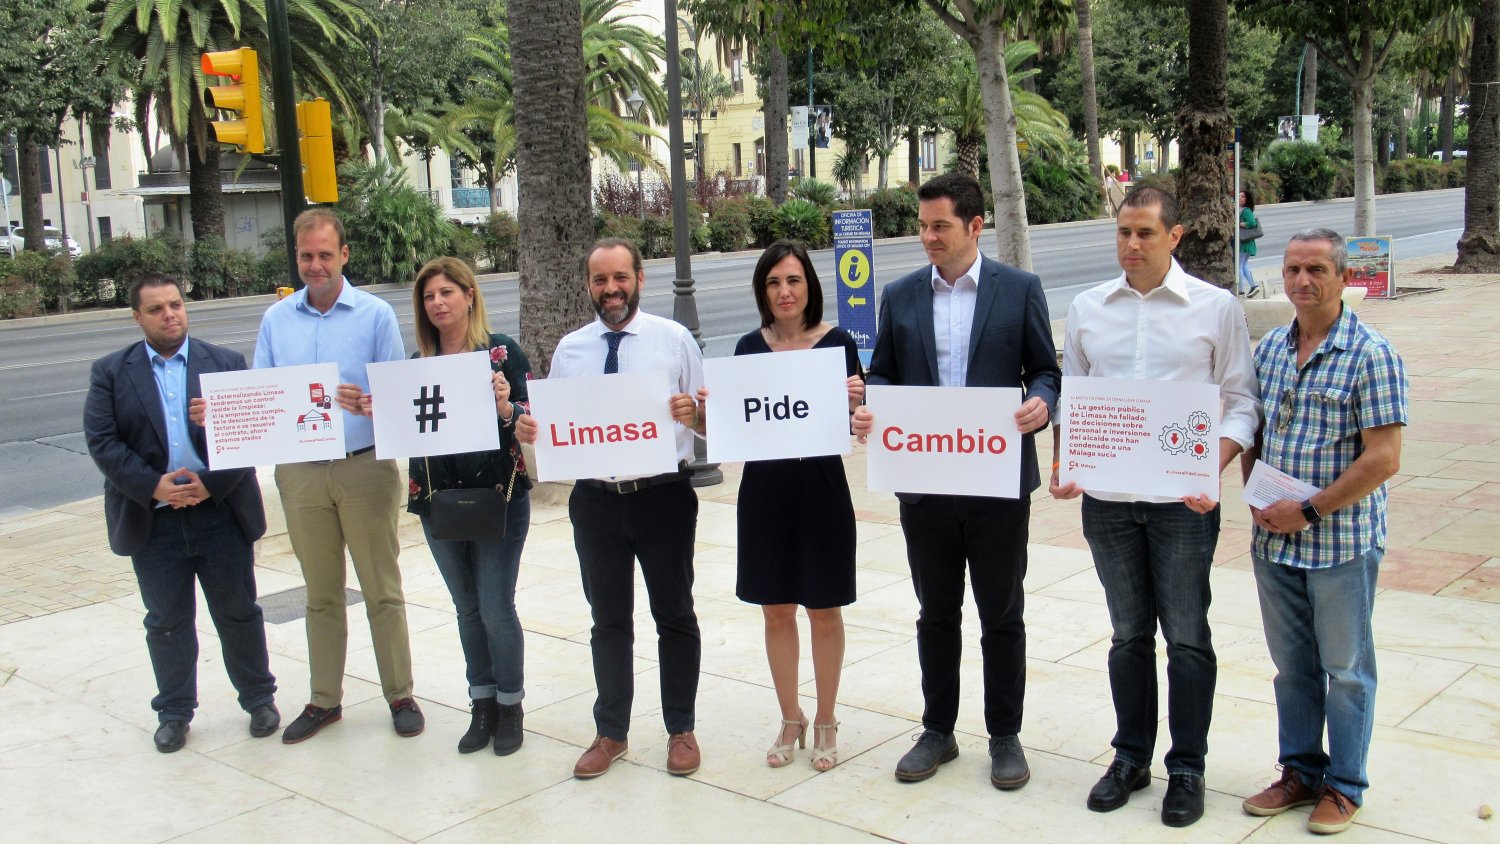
(603,426)
(260,417)
(777,406)
(429,406)
(945,440)
(1139,437)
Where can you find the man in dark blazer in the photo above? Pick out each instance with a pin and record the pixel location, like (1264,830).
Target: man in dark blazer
(175,519)
(967,321)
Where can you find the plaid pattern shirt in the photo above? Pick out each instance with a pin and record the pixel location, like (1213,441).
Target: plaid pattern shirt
(1354,380)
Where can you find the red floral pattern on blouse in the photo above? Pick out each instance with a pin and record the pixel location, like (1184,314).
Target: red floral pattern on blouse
(498,354)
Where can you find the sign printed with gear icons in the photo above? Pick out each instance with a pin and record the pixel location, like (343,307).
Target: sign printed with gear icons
(1139,437)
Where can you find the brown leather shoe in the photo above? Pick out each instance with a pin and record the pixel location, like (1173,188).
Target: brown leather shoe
(1288,792)
(597,759)
(1334,812)
(682,754)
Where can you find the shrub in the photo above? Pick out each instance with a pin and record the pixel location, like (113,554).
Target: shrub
(1058,191)
(729,225)
(466,245)
(1303,167)
(801,220)
(270,268)
(105,275)
(20,295)
(215,268)
(762,213)
(1267,186)
(895,211)
(1343,180)
(393,228)
(500,238)
(821,194)
(1455,173)
(1161,181)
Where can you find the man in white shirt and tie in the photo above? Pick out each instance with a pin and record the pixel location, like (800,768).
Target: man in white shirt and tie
(619,520)
(1153,555)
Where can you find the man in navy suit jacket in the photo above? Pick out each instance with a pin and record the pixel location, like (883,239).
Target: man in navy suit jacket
(175,519)
(967,321)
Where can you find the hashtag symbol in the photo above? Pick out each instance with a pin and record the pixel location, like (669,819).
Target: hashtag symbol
(429,408)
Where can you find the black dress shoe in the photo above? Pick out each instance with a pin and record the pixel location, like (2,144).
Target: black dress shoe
(1183,805)
(933,749)
(1008,769)
(171,736)
(1114,788)
(312,719)
(264,720)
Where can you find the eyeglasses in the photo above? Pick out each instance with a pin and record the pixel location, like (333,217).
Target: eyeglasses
(1284,410)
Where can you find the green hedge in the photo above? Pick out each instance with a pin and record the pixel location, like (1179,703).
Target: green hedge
(1303,167)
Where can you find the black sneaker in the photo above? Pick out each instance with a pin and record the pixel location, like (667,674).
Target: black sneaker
(481,726)
(407,717)
(312,719)
(508,733)
(933,749)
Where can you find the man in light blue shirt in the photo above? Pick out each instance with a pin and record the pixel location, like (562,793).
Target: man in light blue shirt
(351,502)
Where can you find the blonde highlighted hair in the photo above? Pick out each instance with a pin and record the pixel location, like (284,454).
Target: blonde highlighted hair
(456,271)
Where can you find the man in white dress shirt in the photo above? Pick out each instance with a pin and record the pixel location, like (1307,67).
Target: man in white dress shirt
(619,520)
(1153,555)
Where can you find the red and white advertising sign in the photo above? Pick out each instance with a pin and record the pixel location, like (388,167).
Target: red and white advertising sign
(945,440)
(603,426)
(1140,437)
(261,417)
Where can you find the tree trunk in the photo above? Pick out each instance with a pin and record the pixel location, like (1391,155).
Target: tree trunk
(1164,161)
(1012,242)
(1090,97)
(204,187)
(914,155)
(882,179)
(966,149)
(1445,118)
(1402,124)
(1203,187)
(1383,149)
(29,173)
(551,151)
(1127,151)
(774,105)
(375,106)
(1479,247)
(1309,79)
(1364,157)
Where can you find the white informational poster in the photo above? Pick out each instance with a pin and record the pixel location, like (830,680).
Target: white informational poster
(777,406)
(945,440)
(1267,485)
(1140,437)
(604,426)
(261,417)
(423,407)
(800,125)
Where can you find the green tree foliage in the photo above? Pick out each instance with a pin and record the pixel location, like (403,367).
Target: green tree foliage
(393,228)
(798,219)
(1059,188)
(1303,168)
(895,211)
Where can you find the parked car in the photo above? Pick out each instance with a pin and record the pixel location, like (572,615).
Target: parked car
(1458,153)
(5,248)
(51,236)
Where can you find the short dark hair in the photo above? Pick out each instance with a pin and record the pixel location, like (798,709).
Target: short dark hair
(1146,196)
(316,217)
(611,243)
(152,280)
(963,189)
(774,254)
(1338,250)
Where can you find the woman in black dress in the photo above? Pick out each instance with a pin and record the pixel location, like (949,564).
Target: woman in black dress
(796,521)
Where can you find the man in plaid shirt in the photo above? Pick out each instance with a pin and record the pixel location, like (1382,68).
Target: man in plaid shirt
(1335,399)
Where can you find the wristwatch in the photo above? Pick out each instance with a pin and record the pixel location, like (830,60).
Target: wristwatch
(1310,513)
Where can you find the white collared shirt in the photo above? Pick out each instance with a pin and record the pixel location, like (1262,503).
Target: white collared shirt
(1184,330)
(952,320)
(653,343)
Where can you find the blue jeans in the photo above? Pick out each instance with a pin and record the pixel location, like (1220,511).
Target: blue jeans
(481,577)
(1154,560)
(1319,634)
(1247,281)
(205,542)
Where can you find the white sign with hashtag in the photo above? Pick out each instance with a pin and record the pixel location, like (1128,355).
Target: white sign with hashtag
(424,407)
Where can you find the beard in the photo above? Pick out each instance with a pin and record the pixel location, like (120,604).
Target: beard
(618,312)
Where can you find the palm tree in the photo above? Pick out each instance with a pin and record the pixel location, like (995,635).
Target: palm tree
(164,41)
(1042,127)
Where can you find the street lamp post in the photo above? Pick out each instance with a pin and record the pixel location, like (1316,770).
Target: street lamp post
(684,306)
(636,102)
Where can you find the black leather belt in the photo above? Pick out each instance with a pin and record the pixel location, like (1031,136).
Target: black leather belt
(627,487)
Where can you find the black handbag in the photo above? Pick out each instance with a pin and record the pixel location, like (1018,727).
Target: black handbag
(1248,233)
(469,515)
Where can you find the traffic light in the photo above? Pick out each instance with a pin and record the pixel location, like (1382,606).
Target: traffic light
(247,134)
(319,177)
(689,149)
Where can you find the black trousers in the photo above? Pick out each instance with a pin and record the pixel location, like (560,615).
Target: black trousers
(611,531)
(943,533)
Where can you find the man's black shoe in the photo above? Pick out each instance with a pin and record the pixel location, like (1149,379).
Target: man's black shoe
(407,718)
(312,719)
(1008,769)
(171,736)
(1114,788)
(508,733)
(264,720)
(1183,805)
(933,749)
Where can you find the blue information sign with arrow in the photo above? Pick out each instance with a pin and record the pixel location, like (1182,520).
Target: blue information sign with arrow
(853,254)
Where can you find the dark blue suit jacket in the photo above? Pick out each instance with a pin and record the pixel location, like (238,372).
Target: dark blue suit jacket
(127,437)
(1010,343)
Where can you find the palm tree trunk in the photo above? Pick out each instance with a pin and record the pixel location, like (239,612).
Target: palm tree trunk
(1203,189)
(204,187)
(1479,247)
(1445,117)
(551,151)
(966,149)
(774,105)
(1090,96)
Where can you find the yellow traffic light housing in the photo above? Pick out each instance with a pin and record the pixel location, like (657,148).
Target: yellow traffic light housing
(319,174)
(247,133)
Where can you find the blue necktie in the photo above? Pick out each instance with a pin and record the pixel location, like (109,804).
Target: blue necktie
(612,360)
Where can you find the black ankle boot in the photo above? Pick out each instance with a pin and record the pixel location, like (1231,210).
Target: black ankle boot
(508,734)
(481,726)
